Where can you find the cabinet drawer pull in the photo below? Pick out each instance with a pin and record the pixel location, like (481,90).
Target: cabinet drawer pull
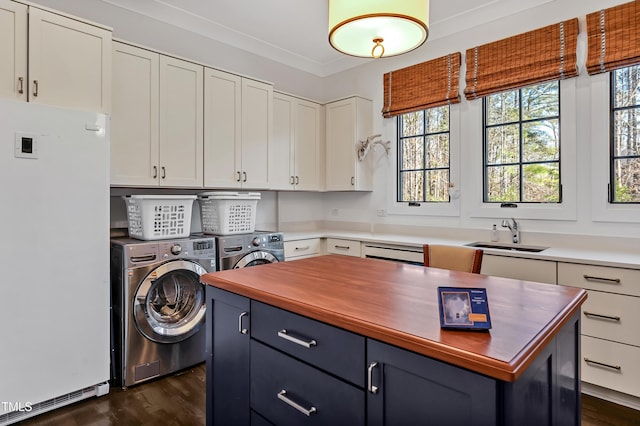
(353,181)
(370,387)
(342,247)
(242,330)
(155,172)
(292,181)
(239,176)
(602,364)
(303,248)
(35,88)
(305,343)
(245,176)
(297,180)
(164,172)
(602,279)
(306,411)
(607,317)
(21,85)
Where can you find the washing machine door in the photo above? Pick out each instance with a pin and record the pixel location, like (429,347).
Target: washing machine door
(255,258)
(169,305)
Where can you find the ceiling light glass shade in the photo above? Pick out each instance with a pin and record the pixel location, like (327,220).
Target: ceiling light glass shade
(375,28)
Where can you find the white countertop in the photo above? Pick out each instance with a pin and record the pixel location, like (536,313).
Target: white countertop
(558,254)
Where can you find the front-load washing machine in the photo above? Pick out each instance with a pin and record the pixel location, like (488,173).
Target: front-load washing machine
(158,306)
(245,250)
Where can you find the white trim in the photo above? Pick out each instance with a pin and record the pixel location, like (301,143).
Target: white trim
(452,208)
(601,209)
(568,157)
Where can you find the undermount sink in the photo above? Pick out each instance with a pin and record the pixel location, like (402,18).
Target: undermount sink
(507,246)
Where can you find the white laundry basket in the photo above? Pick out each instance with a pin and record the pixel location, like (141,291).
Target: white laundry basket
(225,213)
(156,217)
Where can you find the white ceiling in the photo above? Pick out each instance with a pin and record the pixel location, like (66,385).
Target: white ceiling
(294,32)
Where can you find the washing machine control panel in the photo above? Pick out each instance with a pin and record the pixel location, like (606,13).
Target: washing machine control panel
(176,249)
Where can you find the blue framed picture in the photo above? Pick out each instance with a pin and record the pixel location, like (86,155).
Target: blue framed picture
(464,308)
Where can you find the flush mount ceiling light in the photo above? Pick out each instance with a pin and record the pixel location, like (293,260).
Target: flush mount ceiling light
(377,28)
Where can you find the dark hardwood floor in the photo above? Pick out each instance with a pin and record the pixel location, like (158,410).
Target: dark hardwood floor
(180,400)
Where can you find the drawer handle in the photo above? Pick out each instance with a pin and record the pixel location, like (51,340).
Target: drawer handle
(342,247)
(306,344)
(303,248)
(606,280)
(242,330)
(607,317)
(282,396)
(602,364)
(373,389)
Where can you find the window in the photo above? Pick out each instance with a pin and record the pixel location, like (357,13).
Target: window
(522,145)
(423,156)
(625,135)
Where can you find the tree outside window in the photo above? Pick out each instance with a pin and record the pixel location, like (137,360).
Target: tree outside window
(423,155)
(522,145)
(625,135)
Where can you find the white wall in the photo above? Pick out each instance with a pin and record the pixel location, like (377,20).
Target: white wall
(366,80)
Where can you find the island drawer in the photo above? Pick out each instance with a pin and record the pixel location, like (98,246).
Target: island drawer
(287,391)
(611,316)
(611,365)
(302,248)
(601,278)
(337,351)
(346,247)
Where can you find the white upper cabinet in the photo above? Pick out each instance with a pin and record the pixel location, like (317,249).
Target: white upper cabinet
(295,152)
(69,61)
(348,122)
(13,50)
(157,120)
(238,131)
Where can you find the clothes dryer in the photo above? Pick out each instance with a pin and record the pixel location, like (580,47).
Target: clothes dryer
(245,250)
(158,306)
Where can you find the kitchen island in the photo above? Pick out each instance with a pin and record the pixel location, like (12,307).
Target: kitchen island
(344,340)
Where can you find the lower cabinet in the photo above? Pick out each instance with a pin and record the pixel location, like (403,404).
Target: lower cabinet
(269,366)
(301,249)
(542,271)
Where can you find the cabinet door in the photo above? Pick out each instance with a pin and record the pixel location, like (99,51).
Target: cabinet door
(228,374)
(13,50)
(181,123)
(257,131)
(307,157)
(518,268)
(413,389)
(281,149)
(135,116)
(69,62)
(347,122)
(223,131)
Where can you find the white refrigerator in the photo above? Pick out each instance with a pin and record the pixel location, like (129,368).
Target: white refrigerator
(54,257)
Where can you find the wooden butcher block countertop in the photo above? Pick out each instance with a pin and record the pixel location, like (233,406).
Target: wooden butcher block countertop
(397,303)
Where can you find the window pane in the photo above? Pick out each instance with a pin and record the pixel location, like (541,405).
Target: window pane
(437,119)
(503,183)
(541,183)
(412,124)
(627,87)
(438,151)
(540,101)
(411,186)
(438,185)
(503,144)
(412,155)
(503,107)
(627,132)
(541,141)
(627,180)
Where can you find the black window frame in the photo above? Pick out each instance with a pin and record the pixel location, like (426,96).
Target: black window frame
(423,135)
(520,163)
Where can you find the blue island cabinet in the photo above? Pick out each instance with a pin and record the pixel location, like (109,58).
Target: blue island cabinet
(269,366)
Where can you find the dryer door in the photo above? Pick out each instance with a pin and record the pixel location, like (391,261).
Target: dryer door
(169,305)
(255,258)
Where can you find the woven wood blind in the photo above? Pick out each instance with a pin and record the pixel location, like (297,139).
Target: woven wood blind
(545,54)
(614,38)
(425,85)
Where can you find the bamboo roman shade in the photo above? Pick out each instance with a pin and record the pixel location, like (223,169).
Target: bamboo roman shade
(545,54)
(614,38)
(421,86)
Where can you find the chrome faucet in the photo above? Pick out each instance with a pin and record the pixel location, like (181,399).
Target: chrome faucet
(513,227)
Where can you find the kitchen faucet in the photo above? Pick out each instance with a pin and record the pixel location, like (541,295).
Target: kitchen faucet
(513,227)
